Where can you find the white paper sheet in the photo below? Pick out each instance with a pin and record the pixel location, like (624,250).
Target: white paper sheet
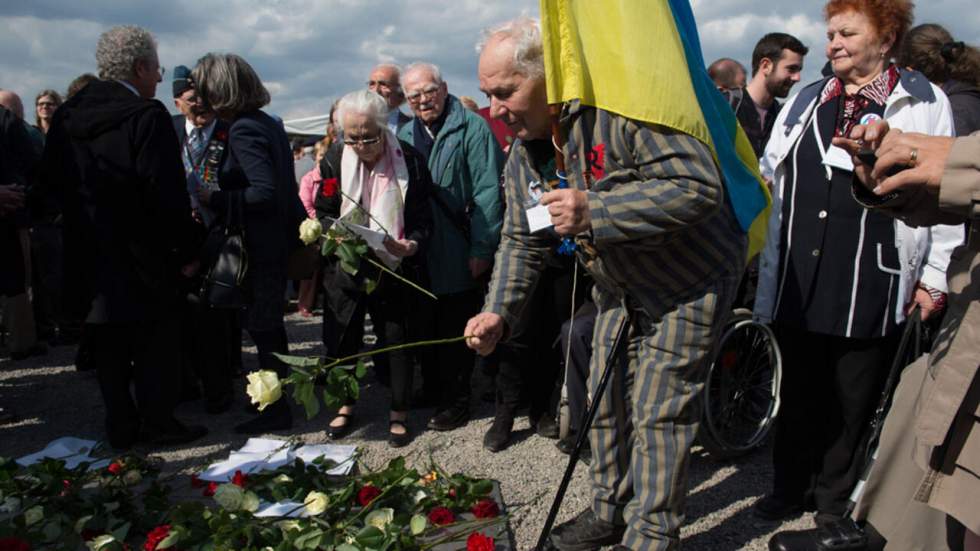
(71,450)
(291,509)
(538,218)
(265,454)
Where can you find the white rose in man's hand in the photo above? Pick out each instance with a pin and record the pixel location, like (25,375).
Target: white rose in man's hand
(310,230)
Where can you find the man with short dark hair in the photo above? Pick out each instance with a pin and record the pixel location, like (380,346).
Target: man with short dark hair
(385,80)
(727,74)
(112,158)
(777,63)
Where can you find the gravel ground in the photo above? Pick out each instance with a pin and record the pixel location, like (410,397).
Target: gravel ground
(54,400)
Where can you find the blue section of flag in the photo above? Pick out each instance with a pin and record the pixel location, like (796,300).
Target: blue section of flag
(743,185)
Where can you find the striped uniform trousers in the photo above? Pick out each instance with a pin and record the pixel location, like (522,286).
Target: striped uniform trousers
(649,414)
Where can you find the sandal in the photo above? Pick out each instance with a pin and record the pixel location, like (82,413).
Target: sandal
(338,432)
(398,440)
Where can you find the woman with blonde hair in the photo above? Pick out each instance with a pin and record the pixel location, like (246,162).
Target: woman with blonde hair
(45,105)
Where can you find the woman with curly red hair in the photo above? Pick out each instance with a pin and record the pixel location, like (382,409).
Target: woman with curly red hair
(837,281)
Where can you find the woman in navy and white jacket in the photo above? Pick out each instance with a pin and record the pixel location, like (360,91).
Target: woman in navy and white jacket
(835,279)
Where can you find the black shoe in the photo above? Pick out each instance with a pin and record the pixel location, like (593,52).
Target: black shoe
(498,436)
(178,434)
(567,444)
(586,532)
(843,535)
(340,431)
(450,419)
(272,419)
(773,507)
(396,440)
(220,405)
(546,426)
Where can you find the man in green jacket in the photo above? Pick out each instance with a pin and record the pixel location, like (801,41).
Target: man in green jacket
(465,161)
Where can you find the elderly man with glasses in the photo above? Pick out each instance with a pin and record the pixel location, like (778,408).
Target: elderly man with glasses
(384,81)
(465,161)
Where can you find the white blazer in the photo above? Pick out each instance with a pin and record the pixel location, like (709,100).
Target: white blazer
(915,105)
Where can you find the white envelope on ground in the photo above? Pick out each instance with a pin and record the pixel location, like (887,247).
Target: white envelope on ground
(71,450)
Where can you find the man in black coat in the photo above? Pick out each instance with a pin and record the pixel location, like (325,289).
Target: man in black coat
(112,157)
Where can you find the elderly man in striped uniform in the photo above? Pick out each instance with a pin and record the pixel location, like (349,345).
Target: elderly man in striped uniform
(648,209)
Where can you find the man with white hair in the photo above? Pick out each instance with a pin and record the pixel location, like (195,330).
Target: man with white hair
(653,229)
(385,81)
(112,159)
(465,162)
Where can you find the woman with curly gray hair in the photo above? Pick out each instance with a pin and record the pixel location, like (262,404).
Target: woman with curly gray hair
(258,168)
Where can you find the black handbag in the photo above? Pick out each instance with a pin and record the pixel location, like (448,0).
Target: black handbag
(224,283)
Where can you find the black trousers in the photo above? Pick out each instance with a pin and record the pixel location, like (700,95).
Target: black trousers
(530,362)
(148,355)
(447,369)
(390,307)
(208,348)
(830,388)
(577,367)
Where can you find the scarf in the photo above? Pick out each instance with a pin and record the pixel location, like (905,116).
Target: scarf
(381,191)
(853,105)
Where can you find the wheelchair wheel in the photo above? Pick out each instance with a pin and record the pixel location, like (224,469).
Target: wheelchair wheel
(741,391)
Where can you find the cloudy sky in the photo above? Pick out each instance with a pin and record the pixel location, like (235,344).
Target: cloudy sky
(309,52)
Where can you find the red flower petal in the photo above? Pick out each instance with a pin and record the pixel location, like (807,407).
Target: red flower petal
(367,494)
(479,542)
(486,508)
(239,479)
(441,516)
(211,488)
(114,467)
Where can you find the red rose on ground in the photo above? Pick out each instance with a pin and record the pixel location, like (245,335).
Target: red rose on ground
(156,536)
(367,494)
(441,516)
(14,544)
(211,488)
(329,187)
(239,479)
(479,542)
(486,508)
(452,493)
(115,467)
(197,482)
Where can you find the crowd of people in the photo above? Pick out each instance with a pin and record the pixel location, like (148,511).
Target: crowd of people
(149,240)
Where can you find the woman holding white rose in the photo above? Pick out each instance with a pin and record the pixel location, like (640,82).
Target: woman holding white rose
(375,180)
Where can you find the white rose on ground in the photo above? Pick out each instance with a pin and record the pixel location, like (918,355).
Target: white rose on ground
(310,230)
(33,515)
(419,496)
(316,502)
(229,496)
(250,502)
(379,518)
(132,477)
(263,388)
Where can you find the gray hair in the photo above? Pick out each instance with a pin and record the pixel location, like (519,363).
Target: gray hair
(120,48)
(525,32)
(226,82)
(363,102)
(423,66)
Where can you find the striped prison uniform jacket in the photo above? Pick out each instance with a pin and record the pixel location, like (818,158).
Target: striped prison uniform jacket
(665,250)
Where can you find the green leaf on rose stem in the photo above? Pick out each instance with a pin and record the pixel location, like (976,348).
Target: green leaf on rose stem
(418,524)
(298,361)
(121,532)
(353,389)
(481,487)
(370,536)
(331,400)
(172,539)
(347,252)
(328,247)
(303,394)
(309,540)
(360,370)
(370,285)
(361,247)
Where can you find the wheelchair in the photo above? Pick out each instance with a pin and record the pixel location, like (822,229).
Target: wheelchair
(741,391)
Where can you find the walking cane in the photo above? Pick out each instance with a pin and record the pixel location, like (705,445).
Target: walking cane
(583,435)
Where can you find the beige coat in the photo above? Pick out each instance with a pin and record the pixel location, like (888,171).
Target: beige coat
(947,416)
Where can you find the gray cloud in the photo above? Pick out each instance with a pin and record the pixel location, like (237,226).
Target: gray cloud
(310,52)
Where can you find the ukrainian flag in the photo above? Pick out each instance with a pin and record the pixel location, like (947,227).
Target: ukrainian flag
(642,59)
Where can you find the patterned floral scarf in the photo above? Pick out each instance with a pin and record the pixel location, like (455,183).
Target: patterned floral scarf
(853,105)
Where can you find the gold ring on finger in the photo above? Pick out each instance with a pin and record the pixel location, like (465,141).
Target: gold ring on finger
(913,156)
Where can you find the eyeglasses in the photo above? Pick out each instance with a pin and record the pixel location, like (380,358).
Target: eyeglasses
(363,141)
(427,91)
